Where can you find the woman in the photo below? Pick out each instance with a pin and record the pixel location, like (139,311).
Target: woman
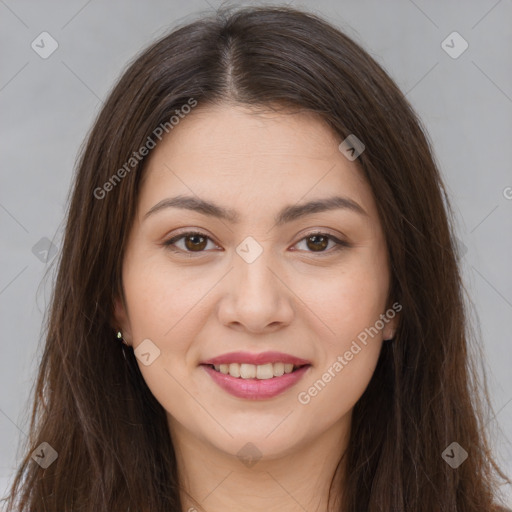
(258,304)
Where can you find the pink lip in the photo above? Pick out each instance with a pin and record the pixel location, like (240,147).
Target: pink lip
(255,389)
(262,358)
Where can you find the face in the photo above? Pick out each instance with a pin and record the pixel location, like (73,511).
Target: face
(257,285)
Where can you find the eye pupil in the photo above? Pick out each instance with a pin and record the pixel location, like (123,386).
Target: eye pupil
(195,245)
(315,238)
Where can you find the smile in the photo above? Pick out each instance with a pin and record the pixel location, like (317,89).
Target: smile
(252,371)
(256,388)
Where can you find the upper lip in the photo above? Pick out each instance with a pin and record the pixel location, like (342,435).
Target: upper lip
(256,359)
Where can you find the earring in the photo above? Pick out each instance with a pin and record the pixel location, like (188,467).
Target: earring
(120,337)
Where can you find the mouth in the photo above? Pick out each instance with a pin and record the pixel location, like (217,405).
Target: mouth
(256,382)
(256,376)
(256,371)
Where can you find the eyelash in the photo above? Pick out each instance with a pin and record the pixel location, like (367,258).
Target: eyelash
(340,244)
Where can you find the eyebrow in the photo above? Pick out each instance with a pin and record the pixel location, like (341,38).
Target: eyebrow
(287,214)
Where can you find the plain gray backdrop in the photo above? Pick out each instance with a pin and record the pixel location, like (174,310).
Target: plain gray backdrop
(49,101)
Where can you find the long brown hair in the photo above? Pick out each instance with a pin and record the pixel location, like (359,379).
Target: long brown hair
(91,403)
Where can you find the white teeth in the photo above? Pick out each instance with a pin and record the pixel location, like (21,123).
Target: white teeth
(234,370)
(264,371)
(252,371)
(247,371)
(278,369)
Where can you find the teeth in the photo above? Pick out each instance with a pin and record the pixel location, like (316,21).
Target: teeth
(247,371)
(252,371)
(264,371)
(278,369)
(234,370)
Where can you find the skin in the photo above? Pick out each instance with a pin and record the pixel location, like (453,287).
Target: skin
(291,299)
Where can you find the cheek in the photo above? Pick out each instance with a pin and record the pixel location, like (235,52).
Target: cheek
(161,302)
(161,299)
(348,354)
(351,304)
(349,298)
(333,391)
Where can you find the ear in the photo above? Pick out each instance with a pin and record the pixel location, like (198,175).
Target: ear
(389,332)
(121,321)
(393,315)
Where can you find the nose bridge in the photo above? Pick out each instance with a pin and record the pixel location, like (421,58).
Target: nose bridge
(252,270)
(257,297)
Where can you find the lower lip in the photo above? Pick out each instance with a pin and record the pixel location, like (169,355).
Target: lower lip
(256,389)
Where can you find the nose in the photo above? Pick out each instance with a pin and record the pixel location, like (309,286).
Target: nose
(255,296)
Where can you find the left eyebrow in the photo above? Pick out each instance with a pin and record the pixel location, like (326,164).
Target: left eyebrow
(287,214)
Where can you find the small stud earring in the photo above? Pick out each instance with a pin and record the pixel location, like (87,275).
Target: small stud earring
(120,337)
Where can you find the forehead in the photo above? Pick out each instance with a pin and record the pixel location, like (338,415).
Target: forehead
(251,160)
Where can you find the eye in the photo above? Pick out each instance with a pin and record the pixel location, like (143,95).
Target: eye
(319,241)
(195,241)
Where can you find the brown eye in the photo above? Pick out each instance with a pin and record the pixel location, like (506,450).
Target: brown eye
(317,242)
(195,242)
(192,242)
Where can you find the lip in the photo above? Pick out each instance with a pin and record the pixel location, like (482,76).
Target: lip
(262,358)
(255,389)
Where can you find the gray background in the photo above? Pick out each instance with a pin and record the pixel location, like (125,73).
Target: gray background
(48,105)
